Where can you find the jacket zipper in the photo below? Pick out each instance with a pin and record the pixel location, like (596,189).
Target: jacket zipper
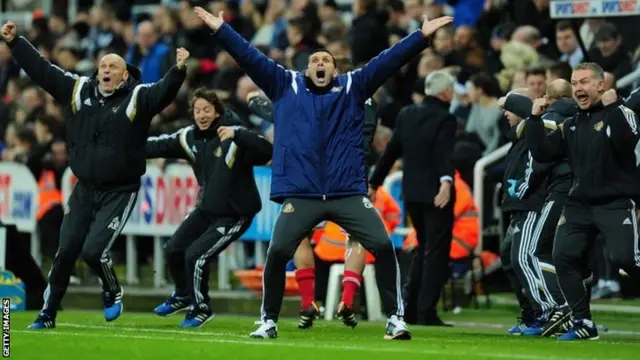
(322,161)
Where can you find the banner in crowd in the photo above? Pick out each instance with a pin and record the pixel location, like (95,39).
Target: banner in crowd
(593,8)
(166,198)
(18,196)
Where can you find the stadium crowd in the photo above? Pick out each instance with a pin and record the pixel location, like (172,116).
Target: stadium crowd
(493,46)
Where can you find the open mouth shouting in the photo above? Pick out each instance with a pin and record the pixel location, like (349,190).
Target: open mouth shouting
(583,98)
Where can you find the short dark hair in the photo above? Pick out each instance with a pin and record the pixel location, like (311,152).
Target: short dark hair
(323,50)
(487,83)
(598,73)
(26,135)
(535,71)
(606,32)
(208,95)
(561,69)
(563,26)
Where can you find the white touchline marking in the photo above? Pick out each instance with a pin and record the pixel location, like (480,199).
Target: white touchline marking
(265,342)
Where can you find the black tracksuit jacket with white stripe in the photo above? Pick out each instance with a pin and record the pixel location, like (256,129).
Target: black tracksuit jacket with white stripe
(224,170)
(559,182)
(106,134)
(531,176)
(602,146)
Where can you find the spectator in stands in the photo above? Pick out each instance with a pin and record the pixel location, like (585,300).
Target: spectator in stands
(302,43)
(443,45)
(101,32)
(485,114)
(368,35)
(536,80)
(469,55)
(588,31)
(567,43)
(559,70)
(610,53)
(153,57)
(8,68)
(531,36)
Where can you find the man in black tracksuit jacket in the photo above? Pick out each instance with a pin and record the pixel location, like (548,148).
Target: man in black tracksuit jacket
(424,137)
(227,202)
(600,143)
(107,118)
(524,190)
(562,106)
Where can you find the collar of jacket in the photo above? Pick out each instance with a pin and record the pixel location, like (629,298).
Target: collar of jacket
(134,79)
(318,89)
(435,101)
(595,107)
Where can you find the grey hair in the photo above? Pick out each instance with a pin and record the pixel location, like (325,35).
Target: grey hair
(437,82)
(598,73)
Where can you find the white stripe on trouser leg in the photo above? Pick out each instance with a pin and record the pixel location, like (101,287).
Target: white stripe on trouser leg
(47,291)
(634,222)
(400,311)
(105,260)
(544,216)
(523,256)
(225,240)
(263,313)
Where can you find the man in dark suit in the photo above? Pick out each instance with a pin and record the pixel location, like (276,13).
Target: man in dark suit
(424,138)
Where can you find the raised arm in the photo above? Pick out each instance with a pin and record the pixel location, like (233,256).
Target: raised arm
(173,146)
(621,124)
(261,107)
(534,176)
(52,79)
(252,148)
(544,147)
(371,76)
(149,99)
(269,76)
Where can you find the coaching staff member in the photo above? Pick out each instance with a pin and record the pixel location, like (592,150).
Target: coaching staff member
(318,158)
(424,138)
(222,156)
(600,143)
(107,118)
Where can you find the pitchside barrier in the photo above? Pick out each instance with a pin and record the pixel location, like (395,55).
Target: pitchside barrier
(164,200)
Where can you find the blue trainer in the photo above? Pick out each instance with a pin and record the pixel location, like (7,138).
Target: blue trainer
(44,321)
(112,301)
(173,305)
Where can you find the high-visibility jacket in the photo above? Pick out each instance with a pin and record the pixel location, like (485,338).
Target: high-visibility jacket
(48,193)
(465,224)
(331,240)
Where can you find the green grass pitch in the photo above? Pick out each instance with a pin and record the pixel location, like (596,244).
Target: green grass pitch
(478,334)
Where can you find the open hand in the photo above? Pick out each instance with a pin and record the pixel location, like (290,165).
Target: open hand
(444,195)
(429,27)
(226,132)
(212,21)
(9,31)
(181,57)
(540,105)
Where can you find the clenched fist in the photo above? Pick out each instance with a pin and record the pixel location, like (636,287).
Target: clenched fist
(181,57)
(9,31)
(540,105)
(226,132)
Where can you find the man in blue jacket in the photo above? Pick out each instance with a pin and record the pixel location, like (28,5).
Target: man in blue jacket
(318,158)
